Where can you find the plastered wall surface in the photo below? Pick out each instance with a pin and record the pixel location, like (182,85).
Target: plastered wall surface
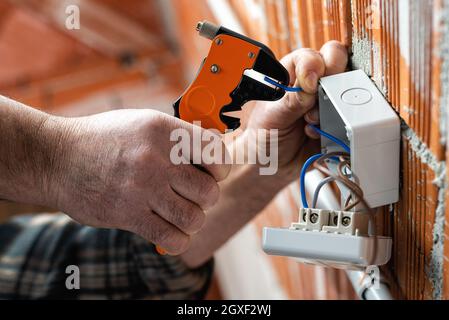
(404,46)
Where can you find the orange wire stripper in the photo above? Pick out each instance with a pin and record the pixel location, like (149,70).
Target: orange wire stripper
(222,86)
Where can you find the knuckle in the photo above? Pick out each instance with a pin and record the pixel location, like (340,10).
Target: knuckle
(158,124)
(155,119)
(181,174)
(147,226)
(145,169)
(210,192)
(188,217)
(171,239)
(163,234)
(159,234)
(336,44)
(306,100)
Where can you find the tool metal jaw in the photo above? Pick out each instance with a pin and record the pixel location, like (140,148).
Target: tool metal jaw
(221,85)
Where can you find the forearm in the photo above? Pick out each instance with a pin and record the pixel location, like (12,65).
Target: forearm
(242,196)
(30,144)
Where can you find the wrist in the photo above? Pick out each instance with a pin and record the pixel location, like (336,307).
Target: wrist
(247,185)
(266,163)
(32,153)
(59,136)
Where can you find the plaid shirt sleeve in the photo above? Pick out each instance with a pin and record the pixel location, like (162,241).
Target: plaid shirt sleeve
(36,250)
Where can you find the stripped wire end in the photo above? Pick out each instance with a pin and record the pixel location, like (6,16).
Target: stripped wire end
(280,85)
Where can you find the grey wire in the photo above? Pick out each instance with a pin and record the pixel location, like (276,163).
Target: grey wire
(318,189)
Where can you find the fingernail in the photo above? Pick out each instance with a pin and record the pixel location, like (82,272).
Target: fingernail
(312,81)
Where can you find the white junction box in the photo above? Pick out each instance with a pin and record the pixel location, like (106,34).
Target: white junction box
(353,110)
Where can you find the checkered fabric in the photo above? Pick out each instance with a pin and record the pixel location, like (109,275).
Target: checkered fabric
(35,252)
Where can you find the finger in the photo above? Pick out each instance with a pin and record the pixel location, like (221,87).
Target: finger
(309,67)
(313,116)
(288,110)
(183,214)
(311,133)
(215,156)
(158,231)
(194,185)
(335,56)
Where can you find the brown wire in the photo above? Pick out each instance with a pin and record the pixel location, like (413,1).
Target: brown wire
(341,165)
(354,187)
(351,185)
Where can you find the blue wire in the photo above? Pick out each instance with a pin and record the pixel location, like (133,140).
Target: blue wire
(332,138)
(308,163)
(302,179)
(280,85)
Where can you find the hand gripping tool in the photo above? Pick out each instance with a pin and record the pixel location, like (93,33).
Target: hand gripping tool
(223,83)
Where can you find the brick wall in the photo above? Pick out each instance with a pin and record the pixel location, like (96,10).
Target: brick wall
(404,46)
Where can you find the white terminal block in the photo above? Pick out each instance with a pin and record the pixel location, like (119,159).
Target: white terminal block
(331,221)
(330,238)
(355,111)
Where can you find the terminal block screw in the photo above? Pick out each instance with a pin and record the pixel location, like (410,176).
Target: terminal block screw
(336,220)
(346,221)
(313,218)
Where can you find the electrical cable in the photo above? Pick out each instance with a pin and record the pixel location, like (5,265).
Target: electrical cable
(302,178)
(343,177)
(331,137)
(309,162)
(340,169)
(318,162)
(318,189)
(351,185)
(280,85)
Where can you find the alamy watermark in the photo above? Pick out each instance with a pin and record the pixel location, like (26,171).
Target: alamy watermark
(72,282)
(73,19)
(205,147)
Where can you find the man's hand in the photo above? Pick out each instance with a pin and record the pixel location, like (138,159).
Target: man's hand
(117,173)
(292,113)
(111,170)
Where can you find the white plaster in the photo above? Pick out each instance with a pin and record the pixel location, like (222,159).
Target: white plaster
(404,29)
(244,270)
